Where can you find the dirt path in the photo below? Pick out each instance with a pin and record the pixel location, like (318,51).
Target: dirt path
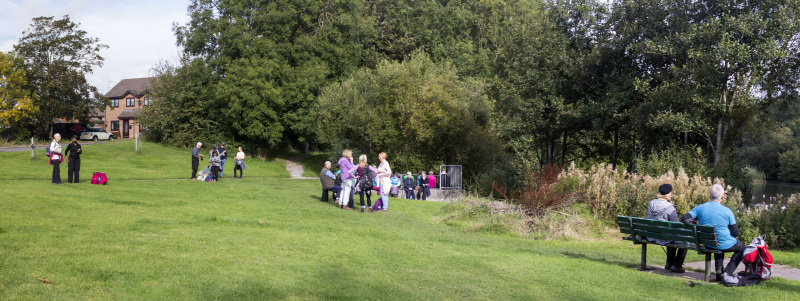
(296,170)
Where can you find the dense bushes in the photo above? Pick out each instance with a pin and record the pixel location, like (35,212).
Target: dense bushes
(778,225)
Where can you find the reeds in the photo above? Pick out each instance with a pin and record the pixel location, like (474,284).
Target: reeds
(609,192)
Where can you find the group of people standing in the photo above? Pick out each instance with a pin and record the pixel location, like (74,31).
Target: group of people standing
(217,157)
(711,213)
(360,178)
(72,153)
(351,180)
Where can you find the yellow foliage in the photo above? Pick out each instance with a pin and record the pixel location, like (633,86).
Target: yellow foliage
(15,101)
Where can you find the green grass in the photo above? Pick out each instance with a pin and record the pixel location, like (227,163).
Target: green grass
(313,164)
(149,237)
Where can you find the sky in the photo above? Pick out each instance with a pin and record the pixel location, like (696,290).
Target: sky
(138,32)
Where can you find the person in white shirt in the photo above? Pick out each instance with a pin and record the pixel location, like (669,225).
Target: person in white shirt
(55,158)
(239,163)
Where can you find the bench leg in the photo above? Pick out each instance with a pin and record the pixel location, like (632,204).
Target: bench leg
(708,267)
(644,257)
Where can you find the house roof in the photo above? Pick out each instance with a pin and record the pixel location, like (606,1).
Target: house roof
(128,114)
(97,113)
(135,86)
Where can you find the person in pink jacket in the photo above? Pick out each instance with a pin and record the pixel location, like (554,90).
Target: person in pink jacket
(431,182)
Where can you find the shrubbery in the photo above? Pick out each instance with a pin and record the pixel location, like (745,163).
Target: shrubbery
(609,192)
(778,225)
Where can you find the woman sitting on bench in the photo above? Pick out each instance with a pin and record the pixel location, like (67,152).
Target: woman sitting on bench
(662,209)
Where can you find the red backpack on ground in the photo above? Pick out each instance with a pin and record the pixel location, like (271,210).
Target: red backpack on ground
(99,178)
(757,258)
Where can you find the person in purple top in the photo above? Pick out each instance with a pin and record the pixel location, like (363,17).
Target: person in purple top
(348,180)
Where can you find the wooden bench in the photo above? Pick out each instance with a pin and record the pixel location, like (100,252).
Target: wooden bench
(692,237)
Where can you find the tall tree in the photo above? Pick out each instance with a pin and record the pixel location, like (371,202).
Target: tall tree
(268,60)
(711,66)
(16,100)
(58,56)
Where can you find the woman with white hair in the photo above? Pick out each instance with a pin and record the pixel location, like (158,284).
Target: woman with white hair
(56,158)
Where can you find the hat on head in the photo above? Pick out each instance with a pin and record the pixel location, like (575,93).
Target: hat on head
(215,145)
(665,189)
(223,143)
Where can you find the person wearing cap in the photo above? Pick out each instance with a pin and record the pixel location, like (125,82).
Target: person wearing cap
(223,155)
(408,185)
(662,209)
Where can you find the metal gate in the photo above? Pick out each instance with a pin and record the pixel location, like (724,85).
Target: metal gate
(450,177)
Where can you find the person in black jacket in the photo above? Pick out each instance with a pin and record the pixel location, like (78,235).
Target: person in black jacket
(408,185)
(422,183)
(73,155)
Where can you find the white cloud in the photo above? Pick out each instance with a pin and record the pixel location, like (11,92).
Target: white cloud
(138,33)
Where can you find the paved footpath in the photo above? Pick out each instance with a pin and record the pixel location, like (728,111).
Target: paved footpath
(695,271)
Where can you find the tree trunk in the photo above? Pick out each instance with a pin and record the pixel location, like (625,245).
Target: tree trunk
(718,146)
(564,148)
(614,150)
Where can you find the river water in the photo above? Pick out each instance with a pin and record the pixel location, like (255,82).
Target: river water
(765,192)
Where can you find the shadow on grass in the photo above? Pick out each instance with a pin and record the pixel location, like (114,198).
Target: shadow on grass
(785,285)
(317,198)
(600,260)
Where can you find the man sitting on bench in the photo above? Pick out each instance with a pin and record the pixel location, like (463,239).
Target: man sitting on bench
(662,209)
(326,177)
(713,213)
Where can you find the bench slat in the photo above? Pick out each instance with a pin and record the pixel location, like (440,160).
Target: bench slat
(680,231)
(690,239)
(621,219)
(690,246)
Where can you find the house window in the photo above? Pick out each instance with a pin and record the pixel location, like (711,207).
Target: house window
(115,103)
(146,100)
(129,102)
(115,125)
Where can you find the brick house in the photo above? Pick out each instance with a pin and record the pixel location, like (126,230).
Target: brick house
(127,97)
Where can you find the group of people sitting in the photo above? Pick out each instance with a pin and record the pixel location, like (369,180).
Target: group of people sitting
(711,213)
(363,178)
(421,183)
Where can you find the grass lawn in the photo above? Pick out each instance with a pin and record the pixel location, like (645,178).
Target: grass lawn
(153,235)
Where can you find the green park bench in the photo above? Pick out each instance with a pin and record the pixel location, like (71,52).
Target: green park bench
(692,237)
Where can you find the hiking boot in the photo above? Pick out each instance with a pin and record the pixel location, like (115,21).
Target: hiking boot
(362,209)
(676,269)
(719,276)
(668,267)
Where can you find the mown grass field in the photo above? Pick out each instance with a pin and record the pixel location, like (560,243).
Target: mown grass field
(152,234)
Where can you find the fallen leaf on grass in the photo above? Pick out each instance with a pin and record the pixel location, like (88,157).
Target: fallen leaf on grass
(44,280)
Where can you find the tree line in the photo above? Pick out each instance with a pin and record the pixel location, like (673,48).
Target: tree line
(495,85)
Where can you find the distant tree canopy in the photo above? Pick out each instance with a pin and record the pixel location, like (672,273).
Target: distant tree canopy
(57,57)
(558,80)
